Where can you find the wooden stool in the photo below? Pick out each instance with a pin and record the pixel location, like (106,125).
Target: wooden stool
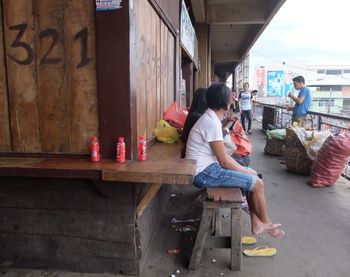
(219,198)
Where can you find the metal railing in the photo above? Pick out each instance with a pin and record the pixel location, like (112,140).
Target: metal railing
(315,120)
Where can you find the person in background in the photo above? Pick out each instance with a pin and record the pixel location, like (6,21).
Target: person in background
(214,79)
(245,106)
(215,168)
(254,95)
(302,102)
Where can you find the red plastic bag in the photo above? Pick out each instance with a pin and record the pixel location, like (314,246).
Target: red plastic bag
(331,161)
(244,147)
(175,116)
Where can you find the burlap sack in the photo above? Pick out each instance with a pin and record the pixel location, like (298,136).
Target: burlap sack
(274,146)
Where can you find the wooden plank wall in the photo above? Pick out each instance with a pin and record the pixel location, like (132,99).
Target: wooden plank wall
(51,69)
(155,78)
(67,225)
(5,136)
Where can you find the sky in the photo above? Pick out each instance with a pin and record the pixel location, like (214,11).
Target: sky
(306,32)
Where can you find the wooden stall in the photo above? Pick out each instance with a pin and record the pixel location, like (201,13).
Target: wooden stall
(69,70)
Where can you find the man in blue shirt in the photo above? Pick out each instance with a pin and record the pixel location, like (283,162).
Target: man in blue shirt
(302,102)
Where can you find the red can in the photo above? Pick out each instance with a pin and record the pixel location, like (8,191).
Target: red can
(95,149)
(120,157)
(142,145)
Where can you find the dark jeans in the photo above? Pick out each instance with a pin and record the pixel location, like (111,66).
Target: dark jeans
(242,160)
(246,115)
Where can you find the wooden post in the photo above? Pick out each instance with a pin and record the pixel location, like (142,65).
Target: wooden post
(203,54)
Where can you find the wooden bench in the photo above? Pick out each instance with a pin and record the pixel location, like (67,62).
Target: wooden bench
(209,233)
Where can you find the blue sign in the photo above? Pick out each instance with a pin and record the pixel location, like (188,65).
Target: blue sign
(275,83)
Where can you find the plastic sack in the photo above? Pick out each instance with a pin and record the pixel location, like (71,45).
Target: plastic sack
(276,134)
(315,144)
(175,116)
(331,161)
(165,132)
(244,147)
(229,145)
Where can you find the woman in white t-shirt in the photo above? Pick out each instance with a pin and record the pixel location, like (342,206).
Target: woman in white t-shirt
(215,168)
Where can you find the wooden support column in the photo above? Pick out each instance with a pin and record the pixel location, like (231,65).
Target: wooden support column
(116,100)
(202,32)
(187,74)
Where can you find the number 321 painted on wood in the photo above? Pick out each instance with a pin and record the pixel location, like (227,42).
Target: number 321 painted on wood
(82,35)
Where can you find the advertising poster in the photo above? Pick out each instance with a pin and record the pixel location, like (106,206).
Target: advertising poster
(275,83)
(106,5)
(187,32)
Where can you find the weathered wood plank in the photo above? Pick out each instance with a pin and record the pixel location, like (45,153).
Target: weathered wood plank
(170,93)
(164,66)
(236,234)
(5,135)
(73,195)
(152,116)
(176,171)
(115,227)
(80,40)
(150,194)
(144,66)
(73,254)
(19,41)
(51,75)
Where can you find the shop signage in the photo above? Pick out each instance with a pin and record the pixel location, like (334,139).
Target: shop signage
(105,5)
(187,33)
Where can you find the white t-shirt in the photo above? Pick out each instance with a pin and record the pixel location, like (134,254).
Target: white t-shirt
(206,129)
(245,97)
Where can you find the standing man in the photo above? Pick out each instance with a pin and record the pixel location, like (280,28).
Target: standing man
(245,107)
(302,102)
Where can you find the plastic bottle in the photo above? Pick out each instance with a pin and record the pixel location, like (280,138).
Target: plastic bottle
(142,145)
(95,149)
(120,157)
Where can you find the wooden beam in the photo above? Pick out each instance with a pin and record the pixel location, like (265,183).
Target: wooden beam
(256,31)
(198,8)
(238,13)
(225,56)
(147,199)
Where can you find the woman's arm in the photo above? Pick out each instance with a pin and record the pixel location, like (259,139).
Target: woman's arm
(225,160)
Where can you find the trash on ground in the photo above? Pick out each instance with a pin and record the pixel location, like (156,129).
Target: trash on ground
(175,220)
(172,195)
(225,215)
(174,251)
(213,260)
(186,228)
(177,271)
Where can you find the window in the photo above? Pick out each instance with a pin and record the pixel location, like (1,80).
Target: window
(346,71)
(328,88)
(323,102)
(333,72)
(321,71)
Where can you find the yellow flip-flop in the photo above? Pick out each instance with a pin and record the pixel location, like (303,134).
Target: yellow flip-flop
(248,240)
(262,251)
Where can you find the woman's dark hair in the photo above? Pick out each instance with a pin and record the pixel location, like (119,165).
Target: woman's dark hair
(199,102)
(198,107)
(218,96)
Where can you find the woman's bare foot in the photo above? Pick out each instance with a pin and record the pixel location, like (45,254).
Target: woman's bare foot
(277,233)
(264,228)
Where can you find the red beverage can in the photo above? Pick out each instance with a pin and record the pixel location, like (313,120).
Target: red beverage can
(120,157)
(95,149)
(142,145)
